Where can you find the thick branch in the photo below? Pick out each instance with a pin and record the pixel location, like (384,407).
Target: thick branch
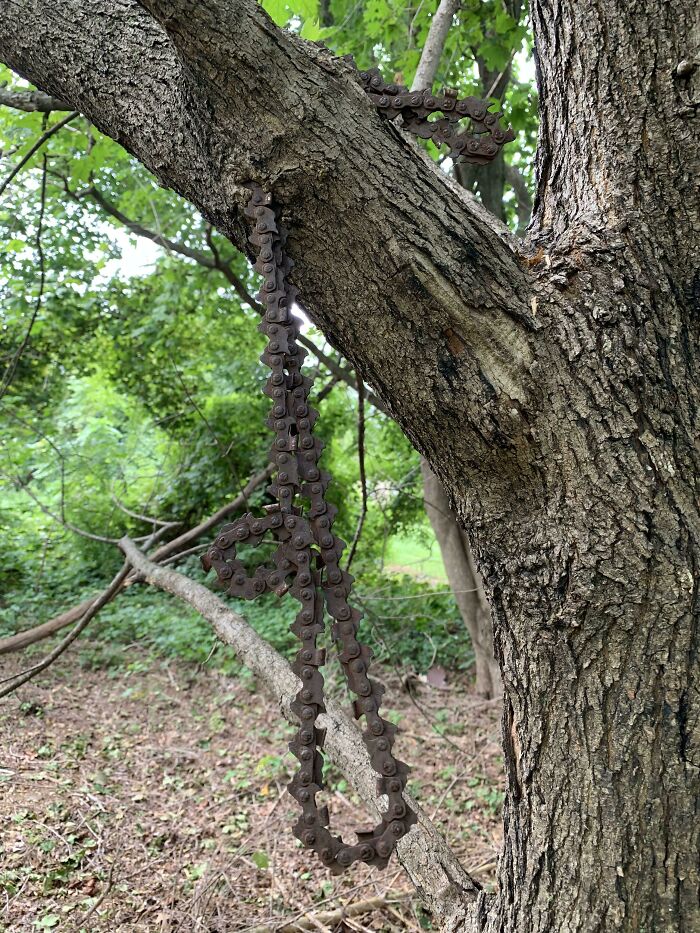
(426,283)
(434,44)
(442,883)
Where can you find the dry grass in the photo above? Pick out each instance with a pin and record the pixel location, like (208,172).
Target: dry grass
(153,799)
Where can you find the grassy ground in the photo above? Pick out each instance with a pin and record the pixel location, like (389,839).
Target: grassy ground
(150,797)
(417,556)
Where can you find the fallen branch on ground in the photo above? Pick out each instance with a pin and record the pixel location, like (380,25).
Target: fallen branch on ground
(447,890)
(331,917)
(92,610)
(165,551)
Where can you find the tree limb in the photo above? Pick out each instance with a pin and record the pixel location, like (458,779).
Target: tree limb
(447,890)
(30,101)
(89,613)
(428,283)
(165,552)
(434,44)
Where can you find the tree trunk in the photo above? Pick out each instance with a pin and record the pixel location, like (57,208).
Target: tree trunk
(550,383)
(464,582)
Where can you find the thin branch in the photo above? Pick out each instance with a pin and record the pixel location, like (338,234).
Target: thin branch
(14,362)
(89,614)
(15,481)
(142,518)
(46,135)
(216,262)
(499,77)
(523,198)
(330,917)
(31,101)
(223,450)
(103,896)
(361,464)
(23,639)
(139,230)
(434,44)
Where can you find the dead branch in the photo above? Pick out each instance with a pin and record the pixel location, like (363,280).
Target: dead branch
(446,888)
(331,917)
(165,551)
(90,613)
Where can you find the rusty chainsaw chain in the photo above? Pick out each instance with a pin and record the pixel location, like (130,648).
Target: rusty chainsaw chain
(479,143)
(307,565)
(306,562)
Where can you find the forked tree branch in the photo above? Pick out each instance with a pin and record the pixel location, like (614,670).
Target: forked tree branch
(164,553)
(13,683)
(448,891)
(45,136)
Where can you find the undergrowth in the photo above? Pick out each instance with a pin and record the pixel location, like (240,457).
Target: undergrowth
(409,625)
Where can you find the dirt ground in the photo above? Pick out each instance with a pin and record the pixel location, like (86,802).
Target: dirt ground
(152,797)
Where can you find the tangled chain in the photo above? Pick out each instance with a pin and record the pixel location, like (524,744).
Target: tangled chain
(306,564)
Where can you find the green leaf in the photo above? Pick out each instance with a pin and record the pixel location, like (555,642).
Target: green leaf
(261,860)
(47,922)
(277,10)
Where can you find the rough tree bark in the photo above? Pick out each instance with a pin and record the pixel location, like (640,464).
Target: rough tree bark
(549,382)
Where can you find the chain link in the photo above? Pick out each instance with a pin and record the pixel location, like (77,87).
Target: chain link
(479,143)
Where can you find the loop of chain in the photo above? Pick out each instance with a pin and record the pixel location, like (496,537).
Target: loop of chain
(306,563)
(480,143)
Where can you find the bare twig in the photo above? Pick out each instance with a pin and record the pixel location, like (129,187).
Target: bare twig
(361,463)
(500,76)
(57,518)
(139,230)
(103,896)
(89,614)
(164,552)
(149,519)
(46,135)
(12,366)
